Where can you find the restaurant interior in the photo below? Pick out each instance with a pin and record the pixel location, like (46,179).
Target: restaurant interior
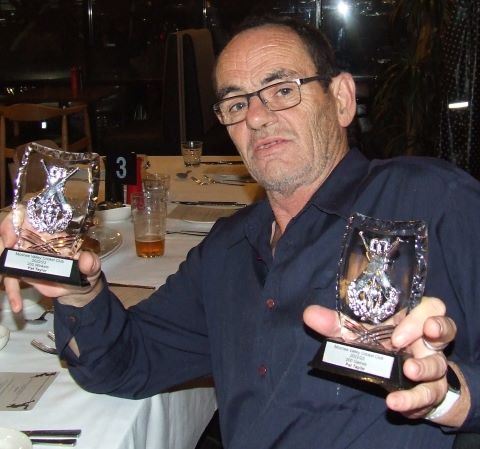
(135,76)
(123,57)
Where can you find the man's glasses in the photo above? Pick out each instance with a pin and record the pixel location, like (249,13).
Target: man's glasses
(277,97)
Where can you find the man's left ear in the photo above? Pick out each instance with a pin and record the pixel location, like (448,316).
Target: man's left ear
(343,90)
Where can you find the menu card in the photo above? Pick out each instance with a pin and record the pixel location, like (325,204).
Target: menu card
(200,213)
(21,391)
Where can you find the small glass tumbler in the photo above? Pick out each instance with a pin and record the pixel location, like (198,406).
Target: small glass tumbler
(149,212)
(157,182)
(192,152)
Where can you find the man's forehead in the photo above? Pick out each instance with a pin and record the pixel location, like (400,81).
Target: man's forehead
(260,56)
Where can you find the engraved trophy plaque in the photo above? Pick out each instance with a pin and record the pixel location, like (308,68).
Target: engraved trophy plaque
(55,194)
(381,277)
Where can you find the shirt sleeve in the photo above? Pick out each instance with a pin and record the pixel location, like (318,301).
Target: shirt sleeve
(141,351)
(456,229)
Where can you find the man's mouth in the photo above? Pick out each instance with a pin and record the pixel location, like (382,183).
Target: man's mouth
(266,144)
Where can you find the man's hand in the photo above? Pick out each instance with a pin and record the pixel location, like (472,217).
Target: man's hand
(424,333)
(89,264)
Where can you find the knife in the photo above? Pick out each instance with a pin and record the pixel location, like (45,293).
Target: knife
(52,433)
(222,162)
(54,442)
(210,203)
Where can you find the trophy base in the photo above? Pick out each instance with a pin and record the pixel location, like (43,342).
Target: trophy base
(363,363)
(18,263)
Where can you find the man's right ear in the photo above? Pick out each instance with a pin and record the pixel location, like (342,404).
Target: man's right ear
(343,91)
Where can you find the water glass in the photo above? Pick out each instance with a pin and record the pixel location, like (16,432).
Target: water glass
(157,182)
(192,152)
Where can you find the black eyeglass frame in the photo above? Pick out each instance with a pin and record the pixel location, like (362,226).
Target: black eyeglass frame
(299,81)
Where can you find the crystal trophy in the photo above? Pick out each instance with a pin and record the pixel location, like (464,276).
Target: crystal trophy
(55,194)
(381,277)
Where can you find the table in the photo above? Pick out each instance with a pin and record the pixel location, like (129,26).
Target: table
(169,420)
(124,267)
(173,420)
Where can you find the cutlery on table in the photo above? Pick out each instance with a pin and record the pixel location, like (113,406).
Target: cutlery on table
(74,433)
(119,284)
(53,437)
(43,347)
(198,181)
(195,233)
(227,182)
(51,335)
(183,175)
(207,181)
(41,319)
(54,441)
(210,203)
(222,162)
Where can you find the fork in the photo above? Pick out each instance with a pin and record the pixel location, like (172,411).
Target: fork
(43,347)
(41,319)
(198,181)
(227,183)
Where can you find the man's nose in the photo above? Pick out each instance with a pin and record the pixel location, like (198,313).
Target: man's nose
(258,115)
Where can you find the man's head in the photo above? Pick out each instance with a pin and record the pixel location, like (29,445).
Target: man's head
(293,136)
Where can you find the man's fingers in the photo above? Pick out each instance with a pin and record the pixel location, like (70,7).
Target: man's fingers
(89,263)
(426,369)
(438,332)
(7,232)
(12,289)
(417,401)
(322,320)
(411,328)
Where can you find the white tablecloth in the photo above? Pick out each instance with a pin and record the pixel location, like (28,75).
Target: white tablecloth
(124,267)
(166,421)
(169,420)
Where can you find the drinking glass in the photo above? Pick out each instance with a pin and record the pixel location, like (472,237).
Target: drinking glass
(149,213)
(192,152)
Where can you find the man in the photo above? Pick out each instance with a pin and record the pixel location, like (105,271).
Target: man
(235,307)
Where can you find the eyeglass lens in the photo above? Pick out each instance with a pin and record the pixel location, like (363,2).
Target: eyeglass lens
(275,97)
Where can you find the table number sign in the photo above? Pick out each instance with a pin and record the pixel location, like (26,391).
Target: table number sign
(122,167)
(124,175)
(55,195)
(381,277)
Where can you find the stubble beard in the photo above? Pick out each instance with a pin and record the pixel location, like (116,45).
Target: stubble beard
(326,147)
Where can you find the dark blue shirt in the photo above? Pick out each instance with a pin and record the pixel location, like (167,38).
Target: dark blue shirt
(234,311)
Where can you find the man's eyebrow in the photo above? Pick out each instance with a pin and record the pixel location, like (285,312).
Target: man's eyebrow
(277,75)
(222,93)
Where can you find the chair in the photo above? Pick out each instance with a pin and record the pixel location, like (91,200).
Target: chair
(185,110)
(13,117)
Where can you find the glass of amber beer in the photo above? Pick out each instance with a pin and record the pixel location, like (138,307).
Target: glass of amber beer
(149,212)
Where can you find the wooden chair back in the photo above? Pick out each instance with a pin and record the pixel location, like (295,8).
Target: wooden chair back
(26,112)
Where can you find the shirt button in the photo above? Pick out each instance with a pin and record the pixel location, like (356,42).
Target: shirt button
(72,319)
(262,370)
(270,302)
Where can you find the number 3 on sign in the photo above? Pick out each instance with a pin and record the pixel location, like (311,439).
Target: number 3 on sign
(122,167)
(121,171)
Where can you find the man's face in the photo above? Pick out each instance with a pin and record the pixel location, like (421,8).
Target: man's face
(287,149)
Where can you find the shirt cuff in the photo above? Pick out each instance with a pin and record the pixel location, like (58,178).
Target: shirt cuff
(471,373)
(70,319)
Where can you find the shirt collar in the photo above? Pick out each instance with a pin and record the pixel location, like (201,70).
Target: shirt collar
(337,194)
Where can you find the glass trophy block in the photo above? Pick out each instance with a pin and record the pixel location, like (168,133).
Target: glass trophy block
(55,194)
(381,277)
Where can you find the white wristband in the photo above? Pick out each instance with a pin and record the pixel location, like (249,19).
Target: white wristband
(444,406)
